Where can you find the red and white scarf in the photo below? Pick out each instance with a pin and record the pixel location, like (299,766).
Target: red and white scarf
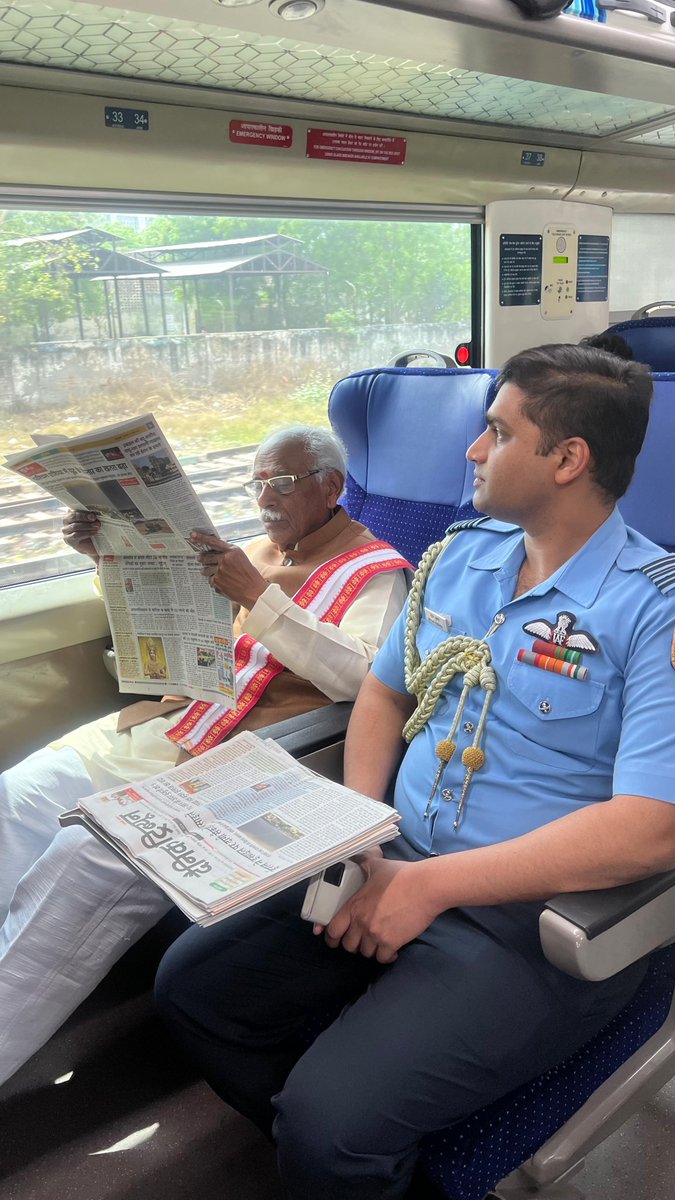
(328,593)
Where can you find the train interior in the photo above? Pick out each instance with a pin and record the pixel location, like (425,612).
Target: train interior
(544,140)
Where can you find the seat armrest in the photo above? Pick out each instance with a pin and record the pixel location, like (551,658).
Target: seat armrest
(311,731)
(593,935)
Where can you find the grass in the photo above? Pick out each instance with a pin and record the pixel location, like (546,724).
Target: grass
(238,408)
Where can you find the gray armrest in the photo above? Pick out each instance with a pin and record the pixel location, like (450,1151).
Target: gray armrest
(315,738)
(311,731)
(593,935)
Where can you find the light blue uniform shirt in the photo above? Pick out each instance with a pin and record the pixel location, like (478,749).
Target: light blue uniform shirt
(552,744)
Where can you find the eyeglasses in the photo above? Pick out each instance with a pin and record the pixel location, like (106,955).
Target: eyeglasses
(283,484)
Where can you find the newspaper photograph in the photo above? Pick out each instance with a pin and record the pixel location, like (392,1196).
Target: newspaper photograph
(171,632)
(241,822)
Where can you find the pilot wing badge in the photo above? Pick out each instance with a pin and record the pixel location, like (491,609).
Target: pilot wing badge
(563,633)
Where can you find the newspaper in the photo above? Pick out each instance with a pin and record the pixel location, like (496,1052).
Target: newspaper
(241,823)
(171,632)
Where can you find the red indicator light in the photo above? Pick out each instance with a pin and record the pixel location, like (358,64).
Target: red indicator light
(463,354)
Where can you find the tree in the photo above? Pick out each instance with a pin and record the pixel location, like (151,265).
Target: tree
(37,279)
(379,272)
(391,272)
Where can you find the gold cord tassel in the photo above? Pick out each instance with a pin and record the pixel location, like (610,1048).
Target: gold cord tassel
(444,752)
(473,759)
(427,679)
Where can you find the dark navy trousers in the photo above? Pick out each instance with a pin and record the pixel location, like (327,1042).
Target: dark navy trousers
(469,1010)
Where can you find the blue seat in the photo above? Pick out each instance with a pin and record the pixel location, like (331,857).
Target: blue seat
(468,1160)
(649,503)
(407,431)
(652,340)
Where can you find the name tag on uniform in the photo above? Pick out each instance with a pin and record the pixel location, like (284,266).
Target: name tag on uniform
(443,621)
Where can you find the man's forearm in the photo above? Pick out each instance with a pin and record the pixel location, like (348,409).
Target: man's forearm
(373,746)
(335,658)
(627,838)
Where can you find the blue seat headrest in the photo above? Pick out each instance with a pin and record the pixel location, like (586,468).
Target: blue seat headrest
(652,340)
(649,503)
(407,431)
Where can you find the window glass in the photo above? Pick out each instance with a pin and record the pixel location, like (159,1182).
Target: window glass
(225,328)
(647,239)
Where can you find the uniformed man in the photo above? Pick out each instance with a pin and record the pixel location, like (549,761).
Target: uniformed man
(532,674)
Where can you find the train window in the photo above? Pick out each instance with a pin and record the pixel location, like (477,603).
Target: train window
(635,237)
(224,327)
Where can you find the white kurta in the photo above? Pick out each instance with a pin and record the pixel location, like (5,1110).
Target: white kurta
(334,658)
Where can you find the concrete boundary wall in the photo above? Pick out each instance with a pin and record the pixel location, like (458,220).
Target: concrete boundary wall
(47,373)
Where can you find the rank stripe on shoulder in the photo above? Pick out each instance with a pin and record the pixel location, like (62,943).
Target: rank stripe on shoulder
(661,571)
(472,523)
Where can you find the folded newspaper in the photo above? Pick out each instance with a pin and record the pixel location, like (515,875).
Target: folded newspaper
(238,824)
(171,632)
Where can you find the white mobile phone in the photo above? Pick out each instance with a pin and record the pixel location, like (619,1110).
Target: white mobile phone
(330,889)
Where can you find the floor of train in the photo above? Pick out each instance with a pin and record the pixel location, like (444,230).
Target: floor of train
(132,1122)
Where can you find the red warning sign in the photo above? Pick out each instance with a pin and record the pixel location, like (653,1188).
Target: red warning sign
(347,146)
(261,133)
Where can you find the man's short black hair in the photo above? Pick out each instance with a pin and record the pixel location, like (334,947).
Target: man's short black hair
(578,391)
(612,343)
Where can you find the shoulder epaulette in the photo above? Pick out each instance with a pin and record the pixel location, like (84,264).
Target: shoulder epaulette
(473,523)
(661,571)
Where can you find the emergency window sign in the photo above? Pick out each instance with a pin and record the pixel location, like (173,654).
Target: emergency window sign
(261,133)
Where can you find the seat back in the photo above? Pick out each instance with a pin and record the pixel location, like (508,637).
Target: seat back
(407,431)
(649,503)
(652,340)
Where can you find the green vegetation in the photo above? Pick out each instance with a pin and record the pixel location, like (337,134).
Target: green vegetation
(379,273)
(36,281)
(209,394)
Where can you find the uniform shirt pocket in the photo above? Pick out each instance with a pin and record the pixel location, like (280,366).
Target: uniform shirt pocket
(429,636)
(556,713)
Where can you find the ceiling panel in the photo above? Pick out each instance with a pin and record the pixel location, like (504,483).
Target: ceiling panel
(664,136)
(135,45)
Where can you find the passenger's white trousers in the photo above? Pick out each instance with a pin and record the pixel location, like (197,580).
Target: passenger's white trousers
(72,907)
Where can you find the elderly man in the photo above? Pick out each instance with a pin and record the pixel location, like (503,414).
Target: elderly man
(305,638)
(531,674)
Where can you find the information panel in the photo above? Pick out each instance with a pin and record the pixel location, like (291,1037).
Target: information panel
(592,268)
(519,269)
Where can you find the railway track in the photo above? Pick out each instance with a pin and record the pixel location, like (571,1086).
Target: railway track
(30,520)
